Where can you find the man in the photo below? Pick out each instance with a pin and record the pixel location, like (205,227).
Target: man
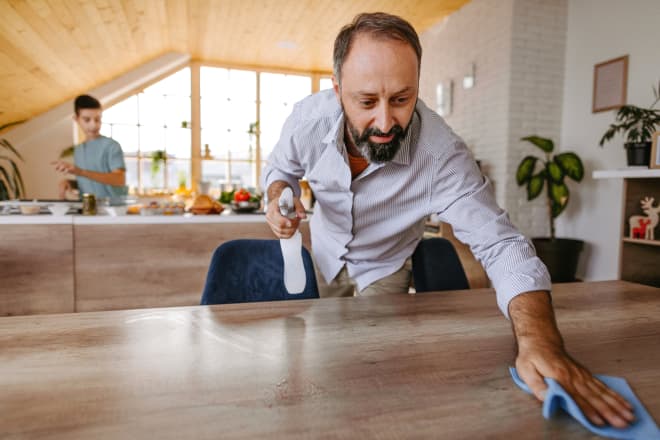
(99,161)
(379,161)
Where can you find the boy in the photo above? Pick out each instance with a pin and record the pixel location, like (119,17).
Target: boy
(99,161)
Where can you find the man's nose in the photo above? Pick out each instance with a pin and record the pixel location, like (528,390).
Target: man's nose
(383,118)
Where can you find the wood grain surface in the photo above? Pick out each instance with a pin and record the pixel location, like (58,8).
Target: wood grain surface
(36,269)
(399,366)
(159,265)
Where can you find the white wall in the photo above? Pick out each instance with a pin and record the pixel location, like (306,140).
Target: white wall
(41,139)
(480,33)
(599,30)
(518,47)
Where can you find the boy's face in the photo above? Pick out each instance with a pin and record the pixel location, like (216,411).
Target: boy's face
(89,120)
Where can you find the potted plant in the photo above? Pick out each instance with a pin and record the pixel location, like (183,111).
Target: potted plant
(11,182)
(638,125)
(158,158)
(560,255)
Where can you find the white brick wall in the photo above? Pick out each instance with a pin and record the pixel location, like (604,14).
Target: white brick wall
(518,49)
(535,97)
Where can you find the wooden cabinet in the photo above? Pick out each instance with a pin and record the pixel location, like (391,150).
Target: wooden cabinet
(36,269)
(78,264)
(639,258)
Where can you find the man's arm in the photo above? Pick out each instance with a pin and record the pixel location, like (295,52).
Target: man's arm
(541,353)
(115,177)
(281,226)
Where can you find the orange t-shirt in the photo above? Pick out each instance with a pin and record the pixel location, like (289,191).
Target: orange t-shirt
(357,164)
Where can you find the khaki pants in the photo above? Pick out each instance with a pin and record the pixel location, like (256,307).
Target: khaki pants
(343,285)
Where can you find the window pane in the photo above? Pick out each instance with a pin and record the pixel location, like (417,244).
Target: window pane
(278,95)
(176,84)
(151,139)
(131,174)
(325,83)
(214,171)
(151,179)
(177,142)
(177,111)
(216,140)
(127,136)
(178,172)
(124,112)
(241,172)
(228,107)
(151,109)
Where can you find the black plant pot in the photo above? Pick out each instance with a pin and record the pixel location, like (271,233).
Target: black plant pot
(560,256)
(639,153)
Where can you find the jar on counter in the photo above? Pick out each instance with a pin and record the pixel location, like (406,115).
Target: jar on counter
(89,204)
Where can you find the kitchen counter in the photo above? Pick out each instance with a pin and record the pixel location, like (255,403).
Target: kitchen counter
(47,219)
(60,264)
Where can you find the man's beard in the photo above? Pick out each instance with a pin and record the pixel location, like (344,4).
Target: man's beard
(374,151)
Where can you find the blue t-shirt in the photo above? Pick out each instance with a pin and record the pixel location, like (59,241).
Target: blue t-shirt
(102,155)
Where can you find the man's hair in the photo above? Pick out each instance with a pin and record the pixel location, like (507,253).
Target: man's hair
(379,25)
(85,101)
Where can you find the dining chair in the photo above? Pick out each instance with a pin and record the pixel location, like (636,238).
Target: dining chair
(436,266)
(248,270)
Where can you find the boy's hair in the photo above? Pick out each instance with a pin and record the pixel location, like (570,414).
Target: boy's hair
(85,101)
(379,25)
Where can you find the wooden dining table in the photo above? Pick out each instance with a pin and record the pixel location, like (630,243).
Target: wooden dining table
(429,365)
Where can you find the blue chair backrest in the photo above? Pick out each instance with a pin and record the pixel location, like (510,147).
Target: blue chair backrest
(252,270)
(436,266)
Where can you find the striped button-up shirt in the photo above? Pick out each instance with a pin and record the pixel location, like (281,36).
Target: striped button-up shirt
(373,223)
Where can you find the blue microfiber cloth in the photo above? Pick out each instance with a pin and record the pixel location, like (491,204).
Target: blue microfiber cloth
(643,428)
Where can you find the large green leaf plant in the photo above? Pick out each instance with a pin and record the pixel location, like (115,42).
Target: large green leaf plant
(552,171)
(11,182)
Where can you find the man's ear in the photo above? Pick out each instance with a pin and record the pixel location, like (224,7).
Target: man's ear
(336,87)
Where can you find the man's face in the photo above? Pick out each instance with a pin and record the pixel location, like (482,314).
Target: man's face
(89,120)
(379,85)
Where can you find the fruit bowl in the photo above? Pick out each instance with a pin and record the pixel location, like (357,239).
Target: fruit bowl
(245,207)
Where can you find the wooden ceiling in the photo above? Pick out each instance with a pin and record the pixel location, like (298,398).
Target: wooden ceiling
(53,50)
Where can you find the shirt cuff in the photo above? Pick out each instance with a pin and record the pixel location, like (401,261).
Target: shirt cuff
(274,175)
(530,276)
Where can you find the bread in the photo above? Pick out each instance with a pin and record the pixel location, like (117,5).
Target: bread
(204,204)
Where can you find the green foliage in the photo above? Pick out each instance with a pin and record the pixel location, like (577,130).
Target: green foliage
(67,152)
(637,124)
(158,158)
(551,176)
(11,182)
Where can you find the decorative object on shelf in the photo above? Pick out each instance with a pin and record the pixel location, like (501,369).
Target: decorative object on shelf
(638,125)
(207,152)
(610,84)
(470,77)
(444,95)
(11,182)
(641,226)
(560,255)
(654,162)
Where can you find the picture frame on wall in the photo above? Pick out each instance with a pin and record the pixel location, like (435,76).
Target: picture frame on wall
(655,151)
(610,84)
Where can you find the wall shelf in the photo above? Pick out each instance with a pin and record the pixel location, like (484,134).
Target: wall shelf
(642,242)
(627,173)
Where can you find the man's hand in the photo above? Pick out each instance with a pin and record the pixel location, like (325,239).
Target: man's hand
(66,167)
(281,226)
(541,354)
